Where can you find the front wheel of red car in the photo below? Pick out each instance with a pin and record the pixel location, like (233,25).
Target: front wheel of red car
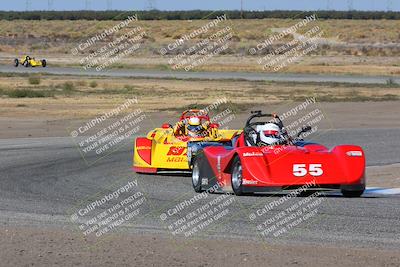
(196,178)
(237,177)
(356,193)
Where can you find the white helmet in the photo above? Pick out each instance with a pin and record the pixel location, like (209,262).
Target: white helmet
(194,127)
(194,121)
(269,133)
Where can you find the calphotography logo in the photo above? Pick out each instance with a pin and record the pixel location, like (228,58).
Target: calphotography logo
(290,218)
(111,46)
(292,51)
(198,214)
(105,212)
(195,48)
(104,134)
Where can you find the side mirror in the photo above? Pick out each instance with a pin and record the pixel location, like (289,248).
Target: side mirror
(166,126)
(304,129)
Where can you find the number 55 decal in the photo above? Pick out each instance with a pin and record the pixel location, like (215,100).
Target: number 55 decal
(301,170)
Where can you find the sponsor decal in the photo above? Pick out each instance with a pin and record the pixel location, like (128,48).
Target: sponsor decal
(354,153)
(253,154)
(176,159)
(176,151)
(248,182)
(219,164)
(219,168)
(143,147)
(204,181)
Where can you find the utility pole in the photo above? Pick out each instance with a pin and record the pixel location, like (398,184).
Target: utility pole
(50,4)
(241,9)
(151,4)
(109,4)
(87,4)
(389,5)
(350,5)
(328,5)
(28,5)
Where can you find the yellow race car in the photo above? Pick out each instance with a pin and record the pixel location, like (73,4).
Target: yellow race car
(27,61)
(171,148)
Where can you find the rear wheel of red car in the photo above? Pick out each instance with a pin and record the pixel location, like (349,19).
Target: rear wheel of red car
(196,176)
(237,177)
(356,193)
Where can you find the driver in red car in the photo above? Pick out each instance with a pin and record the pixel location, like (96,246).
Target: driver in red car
(192,127)
(268,134)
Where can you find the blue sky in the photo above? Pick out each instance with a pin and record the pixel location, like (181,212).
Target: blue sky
(199,4)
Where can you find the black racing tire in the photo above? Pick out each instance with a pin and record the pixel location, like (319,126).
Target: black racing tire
(237,177)
(44,63)
(27,64)
(196,175)
(16,62)
(352,194)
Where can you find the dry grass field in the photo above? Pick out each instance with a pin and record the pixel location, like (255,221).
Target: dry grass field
(369,47)
(81,97)
(247,32)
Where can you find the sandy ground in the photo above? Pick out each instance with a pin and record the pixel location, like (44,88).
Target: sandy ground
(27,246)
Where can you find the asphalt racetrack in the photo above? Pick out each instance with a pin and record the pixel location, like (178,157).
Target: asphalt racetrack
(43,181)
(162,74)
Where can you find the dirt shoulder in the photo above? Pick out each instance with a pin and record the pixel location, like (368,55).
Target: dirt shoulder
(384,176)
(23,246)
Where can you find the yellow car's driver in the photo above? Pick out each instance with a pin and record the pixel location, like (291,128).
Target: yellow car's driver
(192,127)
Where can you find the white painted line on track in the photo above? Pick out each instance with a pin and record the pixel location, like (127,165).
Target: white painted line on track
(373,191)
(382,191)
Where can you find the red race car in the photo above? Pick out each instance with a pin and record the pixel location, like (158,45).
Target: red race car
(264,158)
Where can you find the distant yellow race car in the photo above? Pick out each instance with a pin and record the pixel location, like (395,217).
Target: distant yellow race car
(27,61)
(171,148)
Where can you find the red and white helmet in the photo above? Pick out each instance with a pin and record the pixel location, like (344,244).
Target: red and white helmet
(269,133)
